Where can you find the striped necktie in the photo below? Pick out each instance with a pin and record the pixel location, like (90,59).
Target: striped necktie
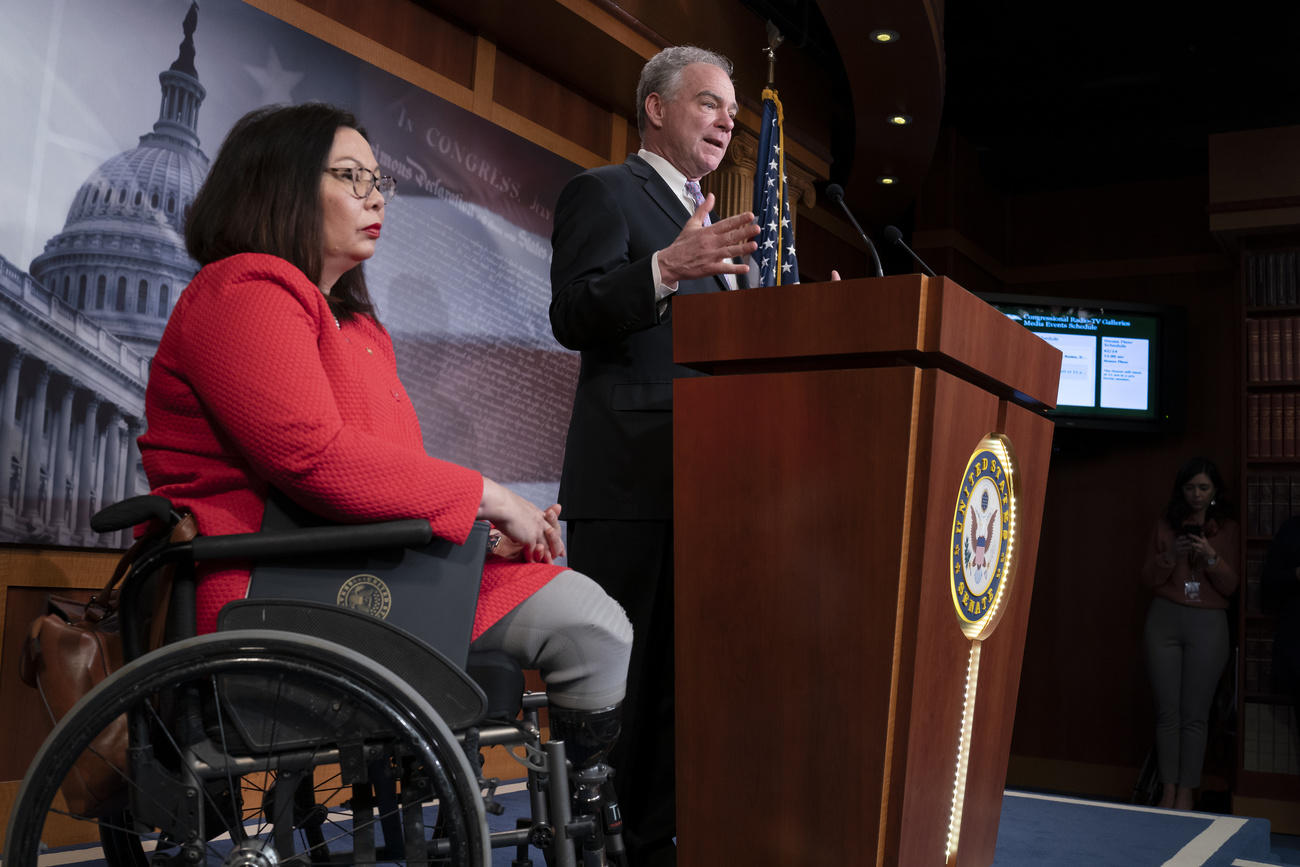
(693,190)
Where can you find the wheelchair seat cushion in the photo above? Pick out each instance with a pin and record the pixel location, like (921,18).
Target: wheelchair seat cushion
(501,679)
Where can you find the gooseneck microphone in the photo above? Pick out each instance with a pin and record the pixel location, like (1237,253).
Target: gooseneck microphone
(893,236)
(836,194)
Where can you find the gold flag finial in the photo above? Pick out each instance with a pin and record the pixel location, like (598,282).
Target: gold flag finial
(774,38)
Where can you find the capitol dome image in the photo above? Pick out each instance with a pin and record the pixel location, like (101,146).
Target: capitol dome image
(121,255)
(78,329)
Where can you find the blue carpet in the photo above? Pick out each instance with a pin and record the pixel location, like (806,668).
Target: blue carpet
(1040,831)
(1050,830)
(1286,849)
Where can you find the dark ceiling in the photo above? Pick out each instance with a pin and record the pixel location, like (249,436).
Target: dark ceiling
(1059,95)
(1052,95)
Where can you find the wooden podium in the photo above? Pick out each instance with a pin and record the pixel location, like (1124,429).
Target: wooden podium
(821,665)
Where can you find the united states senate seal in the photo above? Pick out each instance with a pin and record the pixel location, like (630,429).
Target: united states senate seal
(983,537)
(367,594)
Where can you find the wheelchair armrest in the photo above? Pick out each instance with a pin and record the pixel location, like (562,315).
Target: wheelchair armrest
(406,533)
(133,511)
(410,532)
(251,546)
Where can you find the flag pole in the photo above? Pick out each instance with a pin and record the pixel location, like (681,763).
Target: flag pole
(774,39)
(775,256)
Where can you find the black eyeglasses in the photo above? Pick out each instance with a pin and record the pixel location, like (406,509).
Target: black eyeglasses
(364,180)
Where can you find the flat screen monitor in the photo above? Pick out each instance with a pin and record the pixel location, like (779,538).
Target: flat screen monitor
(1118,360)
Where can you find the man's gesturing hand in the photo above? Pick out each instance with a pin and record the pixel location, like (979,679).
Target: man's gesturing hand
(702,251)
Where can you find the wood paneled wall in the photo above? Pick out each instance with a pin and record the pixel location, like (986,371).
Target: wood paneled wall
(1085,720)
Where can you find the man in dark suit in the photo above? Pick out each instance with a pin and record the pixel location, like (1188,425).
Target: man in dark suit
(627,239)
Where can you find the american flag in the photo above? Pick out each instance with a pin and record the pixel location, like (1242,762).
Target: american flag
(775,255)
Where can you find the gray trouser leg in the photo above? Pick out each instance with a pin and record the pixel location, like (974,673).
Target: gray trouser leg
(1186,649)
(575,634)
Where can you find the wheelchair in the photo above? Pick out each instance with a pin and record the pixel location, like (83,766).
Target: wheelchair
(301,733)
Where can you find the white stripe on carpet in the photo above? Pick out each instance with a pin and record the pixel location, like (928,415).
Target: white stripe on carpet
(1197,850)
(1084,802)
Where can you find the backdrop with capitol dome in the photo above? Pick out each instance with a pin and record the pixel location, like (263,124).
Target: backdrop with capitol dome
(94,256)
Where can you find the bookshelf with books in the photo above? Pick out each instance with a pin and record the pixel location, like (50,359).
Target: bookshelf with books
(1268,742)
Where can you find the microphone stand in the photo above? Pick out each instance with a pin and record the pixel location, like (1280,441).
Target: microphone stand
(894,236)
(836,192)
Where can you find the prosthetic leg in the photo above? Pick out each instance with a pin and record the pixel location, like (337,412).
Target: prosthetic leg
(588,736)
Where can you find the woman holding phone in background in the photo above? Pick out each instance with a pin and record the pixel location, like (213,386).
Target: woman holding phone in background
(1189,566)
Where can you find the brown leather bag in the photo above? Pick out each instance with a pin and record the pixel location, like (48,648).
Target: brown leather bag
(74,647)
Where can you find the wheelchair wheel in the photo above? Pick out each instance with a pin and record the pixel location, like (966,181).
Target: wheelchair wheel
(256,747)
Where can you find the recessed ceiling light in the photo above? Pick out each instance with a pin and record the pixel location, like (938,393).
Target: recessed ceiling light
(900,119)
(882,36)
(886,180)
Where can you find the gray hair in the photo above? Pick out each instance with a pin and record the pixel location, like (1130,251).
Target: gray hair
(662,74)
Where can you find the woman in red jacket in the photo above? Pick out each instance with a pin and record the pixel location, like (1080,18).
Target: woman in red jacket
(1189,566)
(274,372)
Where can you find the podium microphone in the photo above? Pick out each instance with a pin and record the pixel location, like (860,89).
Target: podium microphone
(893,236)
(836,194)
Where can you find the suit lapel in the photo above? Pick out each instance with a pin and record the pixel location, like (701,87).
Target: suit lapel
(667,201)
(657,189)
